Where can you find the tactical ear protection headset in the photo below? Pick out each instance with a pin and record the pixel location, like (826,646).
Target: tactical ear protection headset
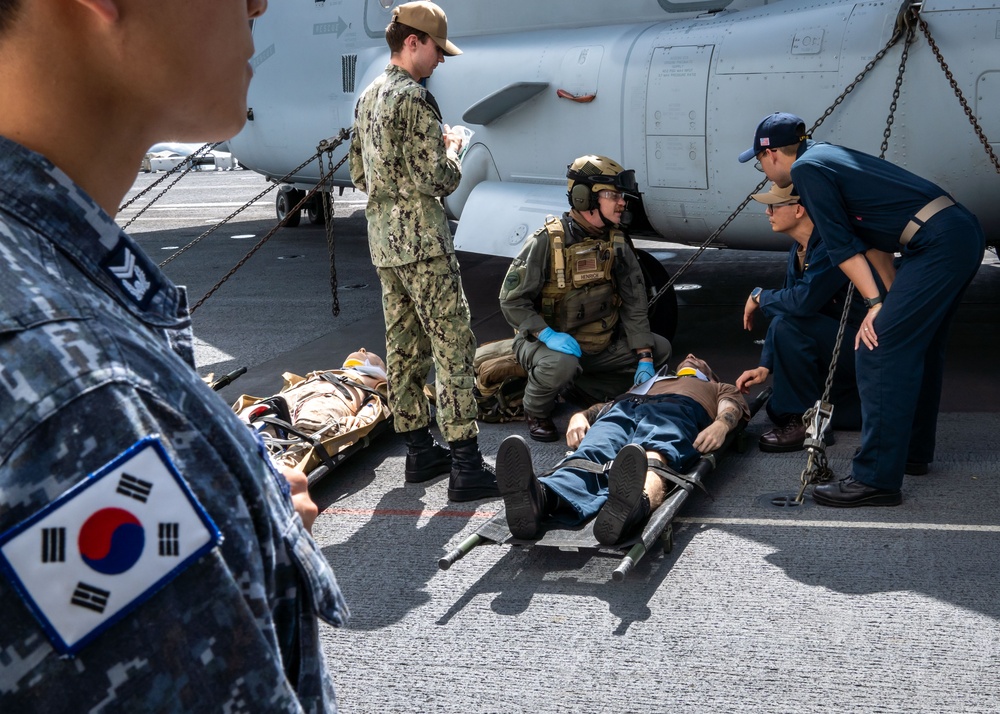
(582,196)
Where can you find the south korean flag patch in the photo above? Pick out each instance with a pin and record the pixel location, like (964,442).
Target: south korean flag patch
(107,545)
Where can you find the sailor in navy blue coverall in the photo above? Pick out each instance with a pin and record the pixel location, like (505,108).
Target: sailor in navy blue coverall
(868,207)
(806,313)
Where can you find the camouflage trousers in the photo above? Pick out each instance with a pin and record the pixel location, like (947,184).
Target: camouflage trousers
(601,377)
(427,321)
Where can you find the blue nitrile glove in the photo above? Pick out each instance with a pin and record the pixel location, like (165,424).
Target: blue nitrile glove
(560,342)
(644,372)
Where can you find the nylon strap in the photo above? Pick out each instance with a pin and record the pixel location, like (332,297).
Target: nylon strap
(308,438)
(557,241)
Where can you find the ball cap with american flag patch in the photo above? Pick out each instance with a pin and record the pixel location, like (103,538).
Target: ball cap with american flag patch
(778,129)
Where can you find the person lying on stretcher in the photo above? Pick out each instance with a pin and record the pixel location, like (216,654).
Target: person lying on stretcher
(621,449)
(323,406)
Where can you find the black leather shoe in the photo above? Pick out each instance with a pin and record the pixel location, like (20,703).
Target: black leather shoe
(784,438)
(524,496)
(848,493)
(627,505)
(541,428)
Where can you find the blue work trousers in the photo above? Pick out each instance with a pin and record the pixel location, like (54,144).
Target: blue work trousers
(666,424)
(801,349)
(900,380)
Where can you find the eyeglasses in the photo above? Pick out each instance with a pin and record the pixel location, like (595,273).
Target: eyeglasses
(771,206)
(756,164)
(611,195)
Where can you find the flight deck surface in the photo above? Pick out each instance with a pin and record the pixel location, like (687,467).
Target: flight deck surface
(758,607)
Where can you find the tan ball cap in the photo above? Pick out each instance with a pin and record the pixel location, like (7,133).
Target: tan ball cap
(777,195)
(427,17)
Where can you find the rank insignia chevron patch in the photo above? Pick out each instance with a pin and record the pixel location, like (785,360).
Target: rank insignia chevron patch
(105,546)
(133,271)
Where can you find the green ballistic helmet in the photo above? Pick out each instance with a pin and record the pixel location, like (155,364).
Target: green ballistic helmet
(592,173)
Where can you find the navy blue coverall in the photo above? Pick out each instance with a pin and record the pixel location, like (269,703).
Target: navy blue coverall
(858,202)
(799,344)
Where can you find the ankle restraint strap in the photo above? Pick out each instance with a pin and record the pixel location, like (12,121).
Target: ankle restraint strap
(582,464)
(662,469)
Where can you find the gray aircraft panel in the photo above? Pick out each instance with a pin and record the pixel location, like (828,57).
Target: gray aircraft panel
(674,92)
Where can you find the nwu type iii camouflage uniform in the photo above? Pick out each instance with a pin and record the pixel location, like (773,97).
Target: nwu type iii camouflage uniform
(398,157)
(96,357)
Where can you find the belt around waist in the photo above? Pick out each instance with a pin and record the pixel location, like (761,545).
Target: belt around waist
(922,216)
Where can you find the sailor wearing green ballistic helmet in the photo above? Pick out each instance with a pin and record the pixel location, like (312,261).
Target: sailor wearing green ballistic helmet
(576,298)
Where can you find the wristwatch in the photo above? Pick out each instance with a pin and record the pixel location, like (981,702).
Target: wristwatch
(755,295)
(872,302)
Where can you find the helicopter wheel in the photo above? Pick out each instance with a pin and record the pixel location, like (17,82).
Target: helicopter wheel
(663,315)
(286,200)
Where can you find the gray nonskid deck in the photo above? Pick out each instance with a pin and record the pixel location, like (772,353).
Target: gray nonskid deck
(756,609)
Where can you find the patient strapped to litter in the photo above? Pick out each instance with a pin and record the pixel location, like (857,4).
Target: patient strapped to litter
(317,416)
(628,454)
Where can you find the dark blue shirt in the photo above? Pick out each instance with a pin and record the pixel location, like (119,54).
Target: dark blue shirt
(856,200)
(818,288)
(95,356)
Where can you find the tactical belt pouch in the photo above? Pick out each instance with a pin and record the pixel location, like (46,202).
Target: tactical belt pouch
(595,337)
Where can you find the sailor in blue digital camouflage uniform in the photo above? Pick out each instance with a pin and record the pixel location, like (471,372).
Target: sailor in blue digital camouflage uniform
(151,557)
(805,319)
(403,159)
(865,207)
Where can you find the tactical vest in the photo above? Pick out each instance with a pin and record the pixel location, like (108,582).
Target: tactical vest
(580,295)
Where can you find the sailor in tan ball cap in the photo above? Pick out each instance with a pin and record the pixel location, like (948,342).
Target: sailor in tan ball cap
(406,161)
(427,17)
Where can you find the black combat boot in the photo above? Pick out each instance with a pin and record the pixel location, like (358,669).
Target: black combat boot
(471,477)
(425,458)
(525,498)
